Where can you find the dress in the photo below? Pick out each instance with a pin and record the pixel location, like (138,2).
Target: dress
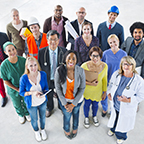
(103,32)
(12,73)
(83,50)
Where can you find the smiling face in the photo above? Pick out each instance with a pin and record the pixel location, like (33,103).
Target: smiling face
(113,43)
(58,12)
(127,67)
(86,30)
(71,61)
(10,51)
(34,29)
(15,16)
(138,34)
(32,66)
(95,57)
(112,17)
(81,14)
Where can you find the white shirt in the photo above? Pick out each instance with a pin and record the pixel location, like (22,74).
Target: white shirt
(19,26)
(80,27)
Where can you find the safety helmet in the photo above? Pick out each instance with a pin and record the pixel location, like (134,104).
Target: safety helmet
(114,9)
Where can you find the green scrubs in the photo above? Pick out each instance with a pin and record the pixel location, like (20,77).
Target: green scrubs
(12,73)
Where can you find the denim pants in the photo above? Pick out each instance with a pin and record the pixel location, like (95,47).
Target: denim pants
(119,135)
(41,109)
(87,104)
(104,103)
(67,117)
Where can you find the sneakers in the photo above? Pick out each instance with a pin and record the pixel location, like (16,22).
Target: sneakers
(120,141)
(43,134)
(28,118)
(110,133)
(38,136)
(95,121)
(21,120)
(86,122)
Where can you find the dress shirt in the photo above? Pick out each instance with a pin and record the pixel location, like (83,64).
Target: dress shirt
(80,27)
(112,25)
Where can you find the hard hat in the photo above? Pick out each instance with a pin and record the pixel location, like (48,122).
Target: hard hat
(33,21)
(114,9)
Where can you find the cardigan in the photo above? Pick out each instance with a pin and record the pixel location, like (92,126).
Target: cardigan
(25,86)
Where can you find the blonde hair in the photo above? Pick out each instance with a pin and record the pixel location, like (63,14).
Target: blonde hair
(129,60)
(112,36)
(26,64)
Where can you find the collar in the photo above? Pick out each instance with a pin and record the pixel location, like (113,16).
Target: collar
(55,51)
(112,25)
(138,44)
(59,21)
(81,23)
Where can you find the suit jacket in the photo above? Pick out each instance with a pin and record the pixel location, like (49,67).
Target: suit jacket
(76,27)
(44,60)
(139,56)
(79,86)
(47,27)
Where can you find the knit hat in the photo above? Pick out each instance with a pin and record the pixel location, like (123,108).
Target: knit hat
(6,44)
(33,21)
(114,9)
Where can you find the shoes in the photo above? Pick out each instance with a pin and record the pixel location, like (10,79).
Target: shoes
(95,121)
(73,135)
(48,113)
(110,133)
(28,118)
(120,141)
(43,135)
(21,120)
(37,136)
(86,123)
(103,114)
(4,101)
(68,136)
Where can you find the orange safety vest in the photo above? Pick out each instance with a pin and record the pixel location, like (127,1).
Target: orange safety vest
(32,47)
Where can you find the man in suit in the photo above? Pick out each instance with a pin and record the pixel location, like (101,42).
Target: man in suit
(77,25)
(49,58)
(57,22)
(134,46)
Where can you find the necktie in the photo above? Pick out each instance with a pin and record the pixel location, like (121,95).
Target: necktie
(54,62)
(110,26)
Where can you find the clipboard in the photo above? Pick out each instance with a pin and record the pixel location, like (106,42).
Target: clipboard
(91,75)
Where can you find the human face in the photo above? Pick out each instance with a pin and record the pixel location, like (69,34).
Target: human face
(81,14)
(86,30)
(114,44)
(10,51)
(127,67)
(53,41)
(58,12)
(34,29)
(95,57)
(138,34)
(32,66)
(71,60)
(112,16)
(15,16)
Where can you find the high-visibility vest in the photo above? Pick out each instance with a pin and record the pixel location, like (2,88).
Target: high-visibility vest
(32,47)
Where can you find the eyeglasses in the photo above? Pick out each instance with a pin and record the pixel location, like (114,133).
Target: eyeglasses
(81,12)
(95,56)
(126,64)
(52,40)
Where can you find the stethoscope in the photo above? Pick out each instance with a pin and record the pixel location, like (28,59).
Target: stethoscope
(128,86)
(59,55)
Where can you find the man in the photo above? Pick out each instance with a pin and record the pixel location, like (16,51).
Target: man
(134,46)
(36,40)
(3,56)
(57,23)
(49,58)
(77,25)
(110,27)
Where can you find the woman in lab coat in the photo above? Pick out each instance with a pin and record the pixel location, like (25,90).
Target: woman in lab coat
(125,91)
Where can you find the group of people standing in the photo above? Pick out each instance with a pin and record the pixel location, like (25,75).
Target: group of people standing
(51,68)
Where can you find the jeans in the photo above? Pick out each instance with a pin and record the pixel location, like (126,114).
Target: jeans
(104,104)
(87,104)
(67,117)
(34,116)
(119,135)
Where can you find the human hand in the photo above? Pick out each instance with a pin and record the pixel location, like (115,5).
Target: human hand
(69,108)
(23,37)
(109,97)
(95,82)
(104,96)
(37,93)
(124,99)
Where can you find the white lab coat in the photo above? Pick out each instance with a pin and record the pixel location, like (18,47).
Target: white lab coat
(127,112)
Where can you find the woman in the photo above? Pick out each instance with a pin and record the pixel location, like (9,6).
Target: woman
(95,91)
(32,84)
(13,31)
(112,58)
(125,91)
(12,69)
(70,85)
(85,42)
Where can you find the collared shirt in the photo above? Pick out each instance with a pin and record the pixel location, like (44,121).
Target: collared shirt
(51,61)
(80,27)
(59,28)
(112,25)
(134,49)
(38,42)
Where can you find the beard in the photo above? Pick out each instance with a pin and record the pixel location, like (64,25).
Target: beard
(138,39)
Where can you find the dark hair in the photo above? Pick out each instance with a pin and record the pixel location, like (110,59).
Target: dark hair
(97,49)
(136,25)
(87,23)
(59,6)
(53,32)
(62,70)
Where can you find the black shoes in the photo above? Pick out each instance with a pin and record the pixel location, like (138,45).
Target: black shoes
(72,135)
(104,114)
(4,101)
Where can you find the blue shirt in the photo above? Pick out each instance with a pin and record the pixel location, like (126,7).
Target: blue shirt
(122,85)
(112,25)
(51,61)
